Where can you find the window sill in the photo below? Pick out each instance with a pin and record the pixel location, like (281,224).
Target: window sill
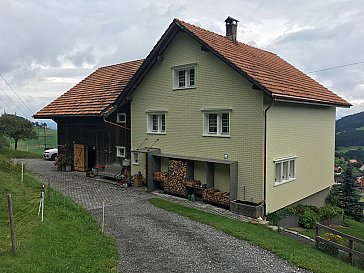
(284,182)
(156,133)
(183,88)
(213,135)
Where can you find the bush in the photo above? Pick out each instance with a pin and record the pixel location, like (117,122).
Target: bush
(308,219)
(278,215)
(7,166)
(330,249)
(329,212)
(3,142)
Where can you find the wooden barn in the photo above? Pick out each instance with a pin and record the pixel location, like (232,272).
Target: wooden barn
(93,118)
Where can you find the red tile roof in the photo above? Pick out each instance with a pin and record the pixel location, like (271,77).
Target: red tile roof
(94,94)
(268,70)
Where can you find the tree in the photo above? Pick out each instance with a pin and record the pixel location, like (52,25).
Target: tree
(349,195)
(17,128)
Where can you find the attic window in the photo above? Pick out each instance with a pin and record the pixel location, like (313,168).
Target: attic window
(184,76)
(121,118)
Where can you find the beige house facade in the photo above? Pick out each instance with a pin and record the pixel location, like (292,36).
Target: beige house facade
(194,99)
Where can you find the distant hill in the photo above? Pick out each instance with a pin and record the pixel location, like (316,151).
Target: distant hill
(350,130)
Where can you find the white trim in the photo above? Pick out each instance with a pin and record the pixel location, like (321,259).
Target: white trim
(133,158)
(156,111)
(187,76)
(118,118)
(219,113)
(284,158)
(159,130)
(285,169)
(121,151)
(216,109)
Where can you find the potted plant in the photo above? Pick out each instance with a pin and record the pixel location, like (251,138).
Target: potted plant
(68,163)
(59,162)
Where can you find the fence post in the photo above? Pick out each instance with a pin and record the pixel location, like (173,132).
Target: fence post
(351,246)
(317,234)
(103,217)
(22,172)
(11,218)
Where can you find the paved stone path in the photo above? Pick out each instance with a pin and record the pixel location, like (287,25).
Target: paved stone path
(152,240)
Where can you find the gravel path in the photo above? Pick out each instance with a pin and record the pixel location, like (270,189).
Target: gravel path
(152,240)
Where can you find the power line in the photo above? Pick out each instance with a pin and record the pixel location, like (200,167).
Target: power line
(13,101)
(31,112)
(334,67)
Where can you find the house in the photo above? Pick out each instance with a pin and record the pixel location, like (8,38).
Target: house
(239,119)
(93,123)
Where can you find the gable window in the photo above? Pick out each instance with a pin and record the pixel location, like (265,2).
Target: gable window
(184,76)
(120,151)
(121,118)
(285,170)
(216,123)
(156,123)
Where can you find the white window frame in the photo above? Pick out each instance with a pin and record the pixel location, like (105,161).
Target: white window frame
(121,118)
(121,151)
(219,114)
(135,158)
(161,122)
(187,75)
(284,170)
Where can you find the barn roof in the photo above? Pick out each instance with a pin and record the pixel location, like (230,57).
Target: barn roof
(95,94)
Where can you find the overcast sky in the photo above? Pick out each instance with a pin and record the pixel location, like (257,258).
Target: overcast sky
(46,46)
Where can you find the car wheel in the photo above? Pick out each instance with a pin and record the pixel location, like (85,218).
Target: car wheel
(53,157)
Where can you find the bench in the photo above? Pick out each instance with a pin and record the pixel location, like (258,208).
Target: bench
(110,171)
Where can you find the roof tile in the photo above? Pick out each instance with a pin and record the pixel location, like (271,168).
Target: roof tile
(283,80)
(93,94)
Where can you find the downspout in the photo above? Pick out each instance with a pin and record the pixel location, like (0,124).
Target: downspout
(265,156)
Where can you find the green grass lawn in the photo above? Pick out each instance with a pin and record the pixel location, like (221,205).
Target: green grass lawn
(48,138)
(355,229)
(69,239)
(289,249)
(11,153)
(345,149)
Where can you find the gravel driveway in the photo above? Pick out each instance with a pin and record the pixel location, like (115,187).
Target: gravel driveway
(153,240)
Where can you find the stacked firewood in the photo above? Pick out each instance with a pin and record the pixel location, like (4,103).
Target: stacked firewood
(192,183)
(213,195)
(176,182)
(161,177)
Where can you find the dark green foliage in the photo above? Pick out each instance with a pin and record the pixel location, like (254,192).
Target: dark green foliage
(17,128)
(350,122)
(308,219)
(349,196)
(349,130)
(3,142)
(350,138)
(329,212)
(278,215)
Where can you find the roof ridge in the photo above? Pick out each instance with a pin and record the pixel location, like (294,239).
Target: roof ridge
(110,65)
(222,36)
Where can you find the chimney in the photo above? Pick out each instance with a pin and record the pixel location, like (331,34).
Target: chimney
(231,27)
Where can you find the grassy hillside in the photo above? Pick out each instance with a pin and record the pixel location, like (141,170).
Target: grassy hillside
(46,138)
(69,239)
